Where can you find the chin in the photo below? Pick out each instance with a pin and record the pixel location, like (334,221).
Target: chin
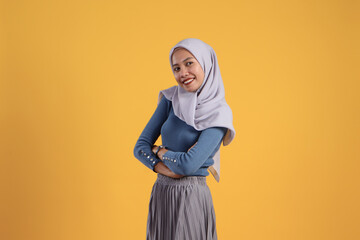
(191,89)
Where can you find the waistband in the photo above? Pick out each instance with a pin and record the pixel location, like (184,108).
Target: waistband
(187,180)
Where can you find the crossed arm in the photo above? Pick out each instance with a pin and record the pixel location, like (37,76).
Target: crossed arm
(161,167)
(169,163)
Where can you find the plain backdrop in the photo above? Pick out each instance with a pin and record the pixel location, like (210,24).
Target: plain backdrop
(80,79)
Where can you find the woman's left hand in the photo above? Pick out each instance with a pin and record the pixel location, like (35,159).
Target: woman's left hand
(161,151)
(154,149)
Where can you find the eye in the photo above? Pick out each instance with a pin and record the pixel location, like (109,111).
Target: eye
(176,69)
(189,64)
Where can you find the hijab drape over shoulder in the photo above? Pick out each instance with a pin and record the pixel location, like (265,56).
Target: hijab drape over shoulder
(206,107)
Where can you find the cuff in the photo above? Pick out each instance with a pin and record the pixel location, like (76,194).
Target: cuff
(171,160)
(170,157)
(151,158)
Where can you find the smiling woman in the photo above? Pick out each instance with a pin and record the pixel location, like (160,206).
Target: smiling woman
(193,119)
(187,70)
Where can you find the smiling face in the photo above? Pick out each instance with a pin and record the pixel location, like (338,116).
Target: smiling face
(187,70)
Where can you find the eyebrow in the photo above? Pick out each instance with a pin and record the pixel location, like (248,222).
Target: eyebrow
(183,60)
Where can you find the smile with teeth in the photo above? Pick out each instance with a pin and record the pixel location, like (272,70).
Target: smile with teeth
(189,81)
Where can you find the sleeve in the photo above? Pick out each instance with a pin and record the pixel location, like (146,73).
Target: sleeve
(151,132)
(186,163)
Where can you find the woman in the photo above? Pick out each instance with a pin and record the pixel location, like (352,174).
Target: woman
(193,119)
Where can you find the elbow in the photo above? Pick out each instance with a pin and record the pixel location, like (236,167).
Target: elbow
(136,150)
(140,146)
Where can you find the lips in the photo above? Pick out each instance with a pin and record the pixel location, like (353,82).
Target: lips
(188,81)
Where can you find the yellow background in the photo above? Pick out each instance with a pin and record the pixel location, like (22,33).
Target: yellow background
(80,80)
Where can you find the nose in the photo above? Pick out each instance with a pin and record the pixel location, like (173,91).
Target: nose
(184,72)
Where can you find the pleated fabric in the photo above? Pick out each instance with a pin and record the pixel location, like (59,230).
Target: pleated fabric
(181,209)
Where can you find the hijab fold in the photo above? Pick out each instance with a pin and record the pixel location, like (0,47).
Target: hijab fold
(206,107)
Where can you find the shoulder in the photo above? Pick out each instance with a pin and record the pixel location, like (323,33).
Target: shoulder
(164,103)
(163,98)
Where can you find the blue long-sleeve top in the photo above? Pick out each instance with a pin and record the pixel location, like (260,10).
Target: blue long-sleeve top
(178,137)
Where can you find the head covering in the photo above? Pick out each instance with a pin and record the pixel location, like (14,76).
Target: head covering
(206,107)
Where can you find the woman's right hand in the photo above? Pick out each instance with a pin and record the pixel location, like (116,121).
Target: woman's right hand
(161,168)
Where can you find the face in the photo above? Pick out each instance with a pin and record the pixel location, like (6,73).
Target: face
(187,70)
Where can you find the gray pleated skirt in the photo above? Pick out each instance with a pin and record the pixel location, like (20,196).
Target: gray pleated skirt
(181,209)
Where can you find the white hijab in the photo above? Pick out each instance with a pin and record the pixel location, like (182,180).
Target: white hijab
(206,107)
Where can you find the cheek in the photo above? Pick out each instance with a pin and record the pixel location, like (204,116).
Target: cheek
(199,71)
(200,74)
(177,78)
